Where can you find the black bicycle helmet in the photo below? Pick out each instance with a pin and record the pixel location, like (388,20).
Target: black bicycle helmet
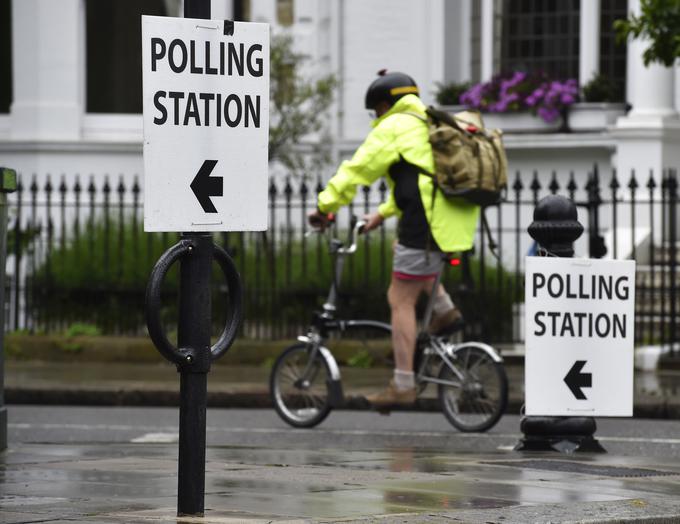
(389,87)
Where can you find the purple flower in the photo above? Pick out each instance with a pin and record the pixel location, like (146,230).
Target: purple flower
(548,114)
(519,90)
(567,99)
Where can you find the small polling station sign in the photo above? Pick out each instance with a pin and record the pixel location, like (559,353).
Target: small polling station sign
(206,124)
(580,318)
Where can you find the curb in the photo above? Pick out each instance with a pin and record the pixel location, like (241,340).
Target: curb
(165,398)
(658,408)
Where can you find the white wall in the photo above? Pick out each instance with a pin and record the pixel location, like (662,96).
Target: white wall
(393,34)
(352,38)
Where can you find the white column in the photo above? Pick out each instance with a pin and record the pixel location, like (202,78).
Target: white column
(48,62)
(487,40)
(221,9)
(434,21)
(589,55)
(456,28)
(466,40)
(649,89)
(647,137)
(263,11)
(677,88)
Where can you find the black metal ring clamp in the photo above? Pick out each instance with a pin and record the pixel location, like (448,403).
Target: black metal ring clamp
(186,356)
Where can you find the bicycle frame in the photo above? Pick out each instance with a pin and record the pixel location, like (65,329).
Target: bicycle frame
(443,348)
(446,351)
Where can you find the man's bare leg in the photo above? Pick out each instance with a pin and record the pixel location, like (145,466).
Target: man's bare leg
(402,297)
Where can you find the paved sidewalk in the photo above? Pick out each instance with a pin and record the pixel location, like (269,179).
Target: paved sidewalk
(657,394)
(291,480)
(131,484)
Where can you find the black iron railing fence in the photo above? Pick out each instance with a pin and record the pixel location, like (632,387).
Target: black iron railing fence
(78,254)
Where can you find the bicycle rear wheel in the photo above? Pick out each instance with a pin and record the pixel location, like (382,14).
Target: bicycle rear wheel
(299,386)
(476,402)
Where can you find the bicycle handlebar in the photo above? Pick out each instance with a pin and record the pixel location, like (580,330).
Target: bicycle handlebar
(350,246)
(357,229)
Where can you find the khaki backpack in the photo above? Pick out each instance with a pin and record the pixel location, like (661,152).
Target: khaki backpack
(470,161)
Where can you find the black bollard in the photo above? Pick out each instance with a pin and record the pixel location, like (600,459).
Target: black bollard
(555,228)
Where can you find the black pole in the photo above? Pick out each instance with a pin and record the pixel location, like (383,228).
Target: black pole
(8,184)
(555,228)
(596,245)
(672,256)
(194,332)
(197,9)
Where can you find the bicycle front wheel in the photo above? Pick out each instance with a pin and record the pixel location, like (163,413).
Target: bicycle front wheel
(475,401)
(298,386)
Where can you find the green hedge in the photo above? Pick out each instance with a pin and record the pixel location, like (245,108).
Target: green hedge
(100,278)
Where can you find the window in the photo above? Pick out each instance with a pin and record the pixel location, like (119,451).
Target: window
(5,56)
(613,55)
(284,12)
(114,52)
(241,10)
(541,36)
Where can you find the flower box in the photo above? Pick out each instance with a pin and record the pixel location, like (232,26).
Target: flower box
(594,116)
(520,122)
(514,122)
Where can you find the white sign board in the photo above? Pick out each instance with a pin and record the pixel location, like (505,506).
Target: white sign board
(206,124)
(580,320)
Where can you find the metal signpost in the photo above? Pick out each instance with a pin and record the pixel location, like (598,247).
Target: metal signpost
(206,114)
(8,184)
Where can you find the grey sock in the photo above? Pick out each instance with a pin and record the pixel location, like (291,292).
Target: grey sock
(442,303)
(404,379)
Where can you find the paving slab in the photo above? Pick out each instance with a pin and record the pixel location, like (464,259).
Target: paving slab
(130,483)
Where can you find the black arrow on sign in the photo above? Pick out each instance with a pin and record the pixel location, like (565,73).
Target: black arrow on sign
(204,186)
(575,380)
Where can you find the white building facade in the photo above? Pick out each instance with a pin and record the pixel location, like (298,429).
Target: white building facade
(72,109)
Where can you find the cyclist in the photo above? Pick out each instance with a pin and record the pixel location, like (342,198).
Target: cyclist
(398,148)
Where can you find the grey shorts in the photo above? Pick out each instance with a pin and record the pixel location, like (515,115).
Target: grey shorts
(415,264)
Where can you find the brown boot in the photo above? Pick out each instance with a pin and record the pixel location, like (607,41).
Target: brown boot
(392,397)
(446,324)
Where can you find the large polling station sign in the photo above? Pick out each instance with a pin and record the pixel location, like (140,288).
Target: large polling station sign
(206,124)
(579,336)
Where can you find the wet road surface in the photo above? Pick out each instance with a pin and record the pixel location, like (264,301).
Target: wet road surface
(119,465)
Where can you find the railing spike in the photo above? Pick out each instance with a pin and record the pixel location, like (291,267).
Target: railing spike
(572,186)
(651,183)
(614,184)
(517,186)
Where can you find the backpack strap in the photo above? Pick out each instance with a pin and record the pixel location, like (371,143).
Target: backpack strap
(412,113)
(493,247)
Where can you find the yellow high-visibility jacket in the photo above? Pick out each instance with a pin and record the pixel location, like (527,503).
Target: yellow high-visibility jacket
(397,136)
